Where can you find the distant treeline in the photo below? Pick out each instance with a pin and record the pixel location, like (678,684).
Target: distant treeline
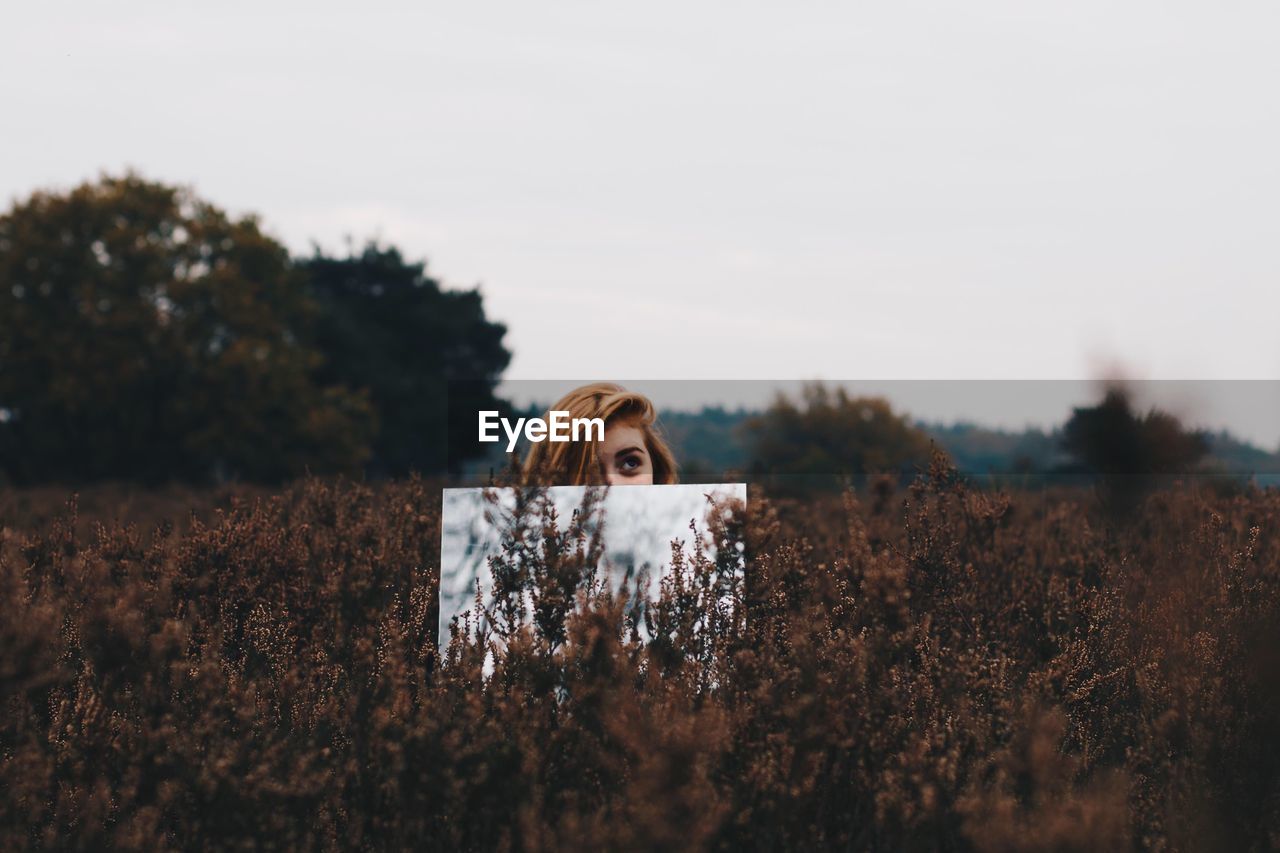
(717,439)
(828,433)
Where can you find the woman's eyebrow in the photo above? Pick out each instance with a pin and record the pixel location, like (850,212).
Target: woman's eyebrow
(626,450)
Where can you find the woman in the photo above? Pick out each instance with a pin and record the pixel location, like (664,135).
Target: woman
(632,453)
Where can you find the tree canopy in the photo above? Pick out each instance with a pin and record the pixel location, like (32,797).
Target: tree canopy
(428,356)
(830,432)
(147,335)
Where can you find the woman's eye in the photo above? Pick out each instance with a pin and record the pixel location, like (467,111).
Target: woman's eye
(630,463)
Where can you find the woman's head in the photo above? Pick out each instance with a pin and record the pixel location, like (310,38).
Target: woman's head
(632,453)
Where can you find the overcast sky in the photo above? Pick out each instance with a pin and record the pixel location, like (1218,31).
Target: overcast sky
(736,190)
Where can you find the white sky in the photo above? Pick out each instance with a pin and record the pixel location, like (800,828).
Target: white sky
(736,190)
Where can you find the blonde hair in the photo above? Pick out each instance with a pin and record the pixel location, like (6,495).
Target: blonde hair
(577,463)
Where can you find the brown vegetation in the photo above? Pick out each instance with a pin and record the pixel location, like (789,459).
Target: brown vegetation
(943,668)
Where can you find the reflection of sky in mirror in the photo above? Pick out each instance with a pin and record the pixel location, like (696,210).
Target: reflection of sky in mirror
(640,523)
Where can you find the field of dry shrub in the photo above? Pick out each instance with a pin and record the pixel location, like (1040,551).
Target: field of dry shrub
(936,668)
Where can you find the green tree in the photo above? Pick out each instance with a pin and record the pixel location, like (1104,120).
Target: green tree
(146,335)
(830,432)
(428,356)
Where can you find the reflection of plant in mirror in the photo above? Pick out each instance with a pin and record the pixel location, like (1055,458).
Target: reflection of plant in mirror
(526,552)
